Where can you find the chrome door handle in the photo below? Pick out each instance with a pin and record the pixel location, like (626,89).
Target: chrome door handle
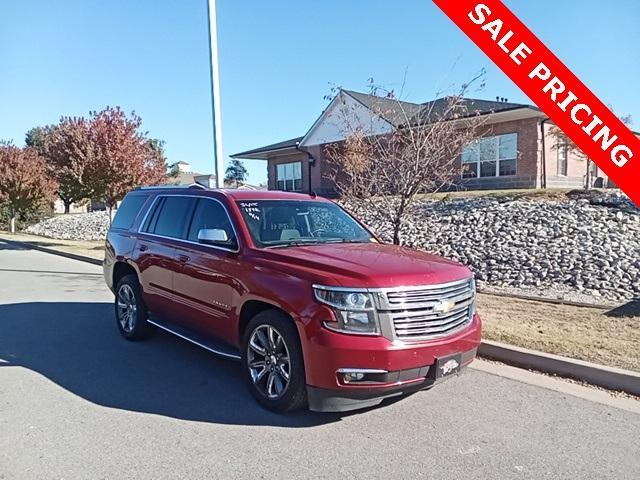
(183,258)
(143,248)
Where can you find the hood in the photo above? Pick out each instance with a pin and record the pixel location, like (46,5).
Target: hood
(367,264)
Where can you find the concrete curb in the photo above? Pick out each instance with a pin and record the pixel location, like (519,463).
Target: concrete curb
(607,377)
(53,251)
(555,301)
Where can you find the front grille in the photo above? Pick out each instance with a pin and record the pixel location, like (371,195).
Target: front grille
(430,311)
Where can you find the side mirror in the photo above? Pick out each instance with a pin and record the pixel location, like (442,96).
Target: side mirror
(213,236)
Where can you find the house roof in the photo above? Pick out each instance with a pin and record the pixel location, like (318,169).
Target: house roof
(398,113)
(292,143)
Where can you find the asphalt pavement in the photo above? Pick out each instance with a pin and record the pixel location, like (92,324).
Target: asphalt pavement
(79,402)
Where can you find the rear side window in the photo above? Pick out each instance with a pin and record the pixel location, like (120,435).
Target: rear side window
(128,211)
(170,218)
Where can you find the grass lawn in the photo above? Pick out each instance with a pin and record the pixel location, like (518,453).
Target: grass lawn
(93,249)
(548,194)
(596,335)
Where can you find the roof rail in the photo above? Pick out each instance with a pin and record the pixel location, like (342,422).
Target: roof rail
(163,187)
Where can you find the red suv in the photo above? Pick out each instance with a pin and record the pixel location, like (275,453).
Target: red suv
(318,310)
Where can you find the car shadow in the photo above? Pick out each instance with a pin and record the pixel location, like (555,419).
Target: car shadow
(77,346)
(10,245)
(629,309)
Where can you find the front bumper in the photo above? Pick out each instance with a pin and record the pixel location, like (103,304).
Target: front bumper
(401,382)
(407,365)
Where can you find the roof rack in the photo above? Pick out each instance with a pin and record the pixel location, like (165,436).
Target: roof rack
(163,187)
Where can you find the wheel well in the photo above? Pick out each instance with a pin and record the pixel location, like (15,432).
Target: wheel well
(120,269)
(250,309)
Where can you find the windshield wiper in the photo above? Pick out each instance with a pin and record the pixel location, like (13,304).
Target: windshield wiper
(293,243)
(300,243)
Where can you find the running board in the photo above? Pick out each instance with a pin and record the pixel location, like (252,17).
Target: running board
(203,341)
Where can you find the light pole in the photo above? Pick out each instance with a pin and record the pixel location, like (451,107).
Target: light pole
(215,92)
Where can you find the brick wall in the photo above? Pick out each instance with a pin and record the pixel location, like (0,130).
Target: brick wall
(527,175)
(576,166)
(527,171)
(278,159)
(529,163)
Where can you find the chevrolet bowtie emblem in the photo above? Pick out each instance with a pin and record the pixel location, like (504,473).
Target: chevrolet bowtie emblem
(444,306)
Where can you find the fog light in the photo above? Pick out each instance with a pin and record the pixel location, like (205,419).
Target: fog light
(361,375)
(353,377)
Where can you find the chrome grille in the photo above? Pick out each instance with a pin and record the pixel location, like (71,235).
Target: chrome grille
(430,311)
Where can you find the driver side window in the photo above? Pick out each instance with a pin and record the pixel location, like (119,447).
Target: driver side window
(209,214)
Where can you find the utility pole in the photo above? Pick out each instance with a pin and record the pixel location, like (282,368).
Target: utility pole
(215,93)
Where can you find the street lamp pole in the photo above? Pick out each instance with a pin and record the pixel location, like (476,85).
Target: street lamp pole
(215,92)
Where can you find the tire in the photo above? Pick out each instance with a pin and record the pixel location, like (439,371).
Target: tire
(280,394)
(131,312)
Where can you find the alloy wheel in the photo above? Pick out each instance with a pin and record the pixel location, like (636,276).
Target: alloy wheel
(127,308)
(268,361)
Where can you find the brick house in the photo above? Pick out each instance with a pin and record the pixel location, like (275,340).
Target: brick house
(514,148)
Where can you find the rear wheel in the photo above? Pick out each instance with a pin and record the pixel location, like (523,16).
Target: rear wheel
(131,313)
(272,362)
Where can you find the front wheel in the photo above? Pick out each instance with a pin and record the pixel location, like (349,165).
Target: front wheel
(272,362)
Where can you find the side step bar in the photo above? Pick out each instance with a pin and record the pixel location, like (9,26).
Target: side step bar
(207,343)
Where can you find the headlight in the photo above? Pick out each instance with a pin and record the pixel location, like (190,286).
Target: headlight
(473,309)
(355,311)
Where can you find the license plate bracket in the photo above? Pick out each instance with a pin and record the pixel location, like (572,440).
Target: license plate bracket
(449,365)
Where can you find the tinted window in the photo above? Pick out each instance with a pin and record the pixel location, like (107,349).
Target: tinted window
(210,214)
(152,217)
(172,217)
(128,211)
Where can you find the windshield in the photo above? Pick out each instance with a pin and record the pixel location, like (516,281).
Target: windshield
(285,223)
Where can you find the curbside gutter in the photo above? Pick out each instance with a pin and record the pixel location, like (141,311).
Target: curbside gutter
(600,375)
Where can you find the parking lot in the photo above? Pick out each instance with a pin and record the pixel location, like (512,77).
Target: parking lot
(77,401)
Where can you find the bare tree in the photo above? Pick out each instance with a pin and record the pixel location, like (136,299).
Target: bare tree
(562,142)
(385,171)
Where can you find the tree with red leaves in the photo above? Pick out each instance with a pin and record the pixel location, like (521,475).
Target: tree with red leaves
(68,150)
(24,182)
(124,156)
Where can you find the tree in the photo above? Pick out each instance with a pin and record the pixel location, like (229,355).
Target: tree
(384,172)
(235,173)
(36,137)
(124,156)
(69,152)
(562,142)
(24,184)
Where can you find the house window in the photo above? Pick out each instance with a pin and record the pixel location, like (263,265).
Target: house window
(289,176)
(562,157)
(491,157)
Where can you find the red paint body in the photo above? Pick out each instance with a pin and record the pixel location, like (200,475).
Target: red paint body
(207,292)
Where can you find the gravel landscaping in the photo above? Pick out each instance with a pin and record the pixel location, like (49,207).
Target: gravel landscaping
(583,248)
(73,226)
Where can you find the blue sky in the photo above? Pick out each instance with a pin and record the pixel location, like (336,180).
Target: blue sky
(277,61)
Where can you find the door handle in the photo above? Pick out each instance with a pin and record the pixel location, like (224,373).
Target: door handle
(183,258)
(143,248)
